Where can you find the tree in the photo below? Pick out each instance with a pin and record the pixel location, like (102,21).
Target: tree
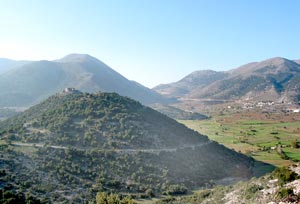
(101,198)
(149,192)
(104,198)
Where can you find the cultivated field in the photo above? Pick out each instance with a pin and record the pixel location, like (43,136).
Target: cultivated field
(270,137)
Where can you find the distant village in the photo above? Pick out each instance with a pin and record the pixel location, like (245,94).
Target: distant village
(272,106)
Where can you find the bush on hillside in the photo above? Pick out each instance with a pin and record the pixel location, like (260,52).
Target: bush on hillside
(284,175)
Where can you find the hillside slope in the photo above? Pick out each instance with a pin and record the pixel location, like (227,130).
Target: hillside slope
(275,79)
(176,113)
(106,142)
(31,83)
(297,61)
(281,186)
(197,79)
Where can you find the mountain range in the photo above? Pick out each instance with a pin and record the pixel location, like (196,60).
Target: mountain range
(27,83)
(276,79)
(24,83)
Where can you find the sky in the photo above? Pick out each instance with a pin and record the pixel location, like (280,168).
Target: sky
(152,41)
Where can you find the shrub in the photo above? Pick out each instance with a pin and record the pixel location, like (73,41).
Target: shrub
(295,144)
(251,190)
(149,192)
(176,190)
(284,175)
(105,198)
(285,192)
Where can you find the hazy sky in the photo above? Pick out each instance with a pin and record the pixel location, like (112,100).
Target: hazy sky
(152,41)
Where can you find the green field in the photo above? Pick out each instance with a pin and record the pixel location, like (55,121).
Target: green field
(253,135)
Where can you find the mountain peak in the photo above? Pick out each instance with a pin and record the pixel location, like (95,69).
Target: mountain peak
(276,60)
(204,71)
(39,79)
(272,65)
(75,57)
(200,75)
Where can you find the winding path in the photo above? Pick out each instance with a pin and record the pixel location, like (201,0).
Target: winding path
(126,151)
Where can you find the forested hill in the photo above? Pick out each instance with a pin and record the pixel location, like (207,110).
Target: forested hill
(71,146)
(99,120)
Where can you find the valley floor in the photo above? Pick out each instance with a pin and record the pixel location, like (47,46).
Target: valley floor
(269,137)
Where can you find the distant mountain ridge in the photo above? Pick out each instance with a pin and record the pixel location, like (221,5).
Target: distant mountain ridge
(276,79)
(197,79)
(32,82)
(8,64)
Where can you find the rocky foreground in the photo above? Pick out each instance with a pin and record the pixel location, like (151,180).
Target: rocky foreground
(282,186)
